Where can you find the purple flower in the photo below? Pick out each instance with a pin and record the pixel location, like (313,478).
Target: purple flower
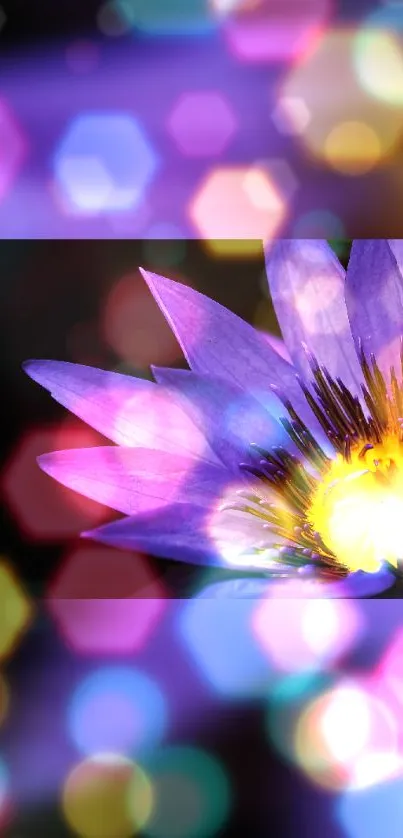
(289,470)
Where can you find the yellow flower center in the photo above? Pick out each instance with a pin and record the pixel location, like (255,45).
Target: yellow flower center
(357,508)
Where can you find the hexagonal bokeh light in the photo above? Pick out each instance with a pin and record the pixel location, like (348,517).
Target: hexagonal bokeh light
(16,612)
(43,508)
(105,601)
(235,208)
(210,630)
(197,781)
(158,18)
(13,148)
(272,30)
(117,709)
(348,130)
(202,123)
(103,163)
(378,54)
(106,795)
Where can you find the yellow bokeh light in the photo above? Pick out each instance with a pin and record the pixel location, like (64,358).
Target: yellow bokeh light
(348,129)
(378,58)
(15,611)
(107,796)
(236,208)
(353,148)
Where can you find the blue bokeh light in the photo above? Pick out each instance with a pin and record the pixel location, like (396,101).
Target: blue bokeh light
(104,163)
(373,812)
(117,709)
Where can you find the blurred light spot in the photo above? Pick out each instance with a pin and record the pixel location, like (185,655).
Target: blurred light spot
(43,508)
(4,698)
(319,224)
(349,129)
(82,57)
(16,612)
(118,709)
(291,115)
(191,794)
(211,630)
(379,64)
(273,30)
(107,796)
(235,208)
(176,18)
(202,123)
(111,19)
(13,148)
(133,326)
(106,601)
(281,174)
(164,246)
(372,812)
(104,162)
(353,148)
(6,804)
(298,635)
(341,732)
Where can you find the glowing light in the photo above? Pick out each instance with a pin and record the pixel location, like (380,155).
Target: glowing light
(106,601)
(191,794)
(104,163)
(303,635)
(107,795)
(357,515)
(379,63)
(353,148)
(291,115)
(5,797)
(202,123)
(117,709)
(178,18)
(343,734)
(273,30)
(241,205)
(16,611)
(367,814)
(349,130)
(44,509)
(319,224)
(134,327)
(13,146)
(211,630)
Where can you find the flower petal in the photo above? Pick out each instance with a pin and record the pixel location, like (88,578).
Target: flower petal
(189,533)
(355,586)
(307,288)
(127,410)
(228,416)
(220,344)
(136,480)
(374,297)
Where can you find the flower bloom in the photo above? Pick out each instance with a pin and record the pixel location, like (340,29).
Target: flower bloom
(290,470)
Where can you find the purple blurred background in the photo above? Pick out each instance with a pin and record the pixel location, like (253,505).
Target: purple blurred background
(200,118)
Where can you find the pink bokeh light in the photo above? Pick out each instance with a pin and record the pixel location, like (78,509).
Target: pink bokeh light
(202,123)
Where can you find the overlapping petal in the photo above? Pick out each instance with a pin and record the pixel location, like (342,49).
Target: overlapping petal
(354,586)
(306,283)
(374,297)
(136,480)
(189,533)
(230,417)
(218,343)
(129,411)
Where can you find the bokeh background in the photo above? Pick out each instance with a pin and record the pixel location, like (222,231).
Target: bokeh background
(192,130)
(200,118)
(127,707)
